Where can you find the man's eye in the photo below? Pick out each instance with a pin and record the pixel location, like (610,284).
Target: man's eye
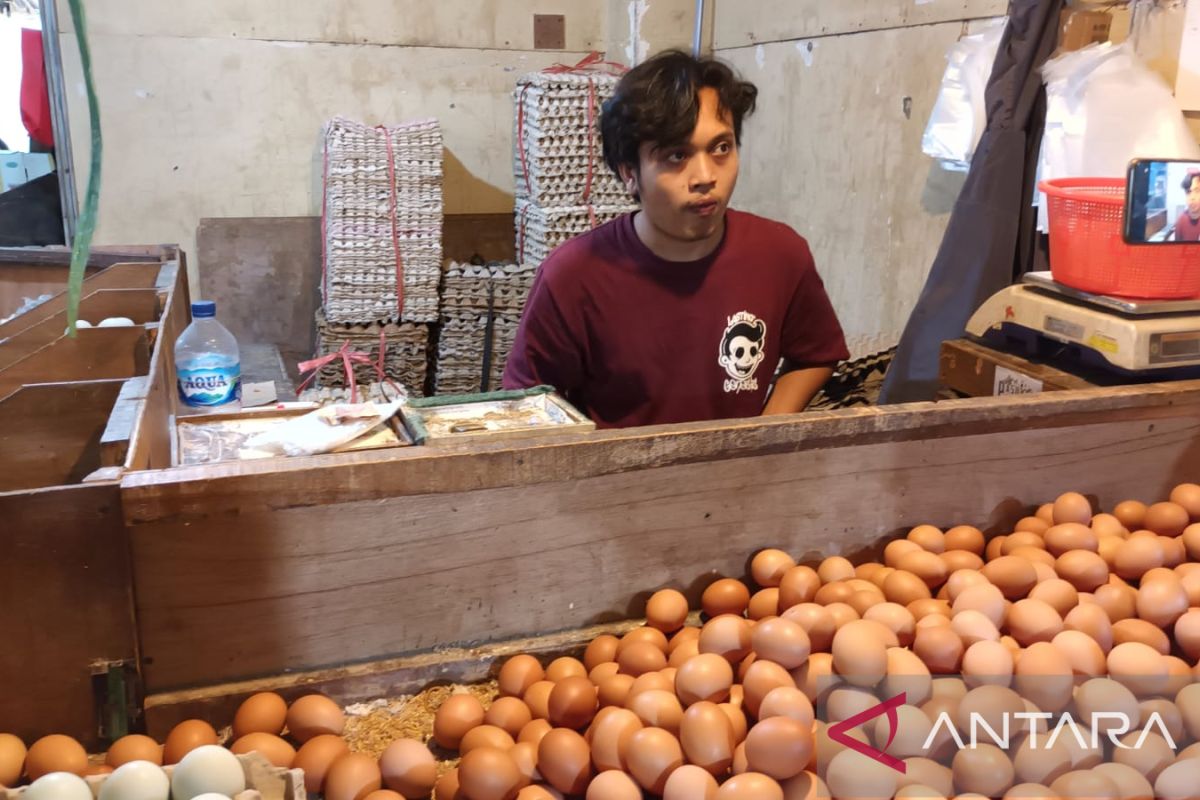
(678,157)
(724,149)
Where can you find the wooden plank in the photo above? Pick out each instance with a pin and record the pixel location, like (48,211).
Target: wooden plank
(67,601)
(153,435)
(744,24)
(970,368)
(139,305)
(50,434)
(356,683)
(99,257)
(118,276)
(94,354)
(259,593)
(122,422)
(193,492)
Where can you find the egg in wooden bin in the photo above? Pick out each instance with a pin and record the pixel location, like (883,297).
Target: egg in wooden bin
(271,747)
(485,773)
(136,780)
(264,712)
(12,759)
(55,753)
(133,747)
(409,768)
(208,768)
(186,737)
(352,777)
(316,756)
(58,786)
(314,715)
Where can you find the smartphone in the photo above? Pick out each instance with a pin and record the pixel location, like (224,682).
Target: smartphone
(1162,202)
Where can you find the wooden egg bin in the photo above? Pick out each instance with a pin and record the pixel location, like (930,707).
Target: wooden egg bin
(353,573)
(74,414)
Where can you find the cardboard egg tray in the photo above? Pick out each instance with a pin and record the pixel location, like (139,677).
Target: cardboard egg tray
(264,781)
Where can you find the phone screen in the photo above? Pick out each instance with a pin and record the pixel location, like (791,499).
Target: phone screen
(1162,202)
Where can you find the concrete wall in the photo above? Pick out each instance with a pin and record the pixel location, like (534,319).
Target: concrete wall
(846,89)
(214,107)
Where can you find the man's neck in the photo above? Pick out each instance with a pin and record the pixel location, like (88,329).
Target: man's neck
(669,248)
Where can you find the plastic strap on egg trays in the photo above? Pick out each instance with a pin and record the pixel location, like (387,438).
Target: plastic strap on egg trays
(405,360)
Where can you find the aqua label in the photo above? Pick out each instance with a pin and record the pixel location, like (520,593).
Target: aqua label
(214,386)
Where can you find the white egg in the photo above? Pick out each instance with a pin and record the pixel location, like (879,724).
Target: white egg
(207,769)
(58,786)
(116,322)
(136,780)
(210,796)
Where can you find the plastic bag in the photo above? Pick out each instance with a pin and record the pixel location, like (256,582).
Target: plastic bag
(323,430)
(960,114)
(1104,107)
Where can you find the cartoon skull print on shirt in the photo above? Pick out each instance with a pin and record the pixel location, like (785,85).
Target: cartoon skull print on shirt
(742,350)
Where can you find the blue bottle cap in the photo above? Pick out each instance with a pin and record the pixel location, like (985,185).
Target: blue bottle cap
(204,308)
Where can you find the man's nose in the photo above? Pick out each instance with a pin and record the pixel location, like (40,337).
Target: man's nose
(703,175)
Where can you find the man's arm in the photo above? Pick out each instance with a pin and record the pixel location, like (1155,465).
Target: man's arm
(795,390)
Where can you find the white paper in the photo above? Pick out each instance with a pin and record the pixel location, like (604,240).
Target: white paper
(1009,382)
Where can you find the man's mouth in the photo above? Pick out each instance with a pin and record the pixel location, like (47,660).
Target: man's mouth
(704,209)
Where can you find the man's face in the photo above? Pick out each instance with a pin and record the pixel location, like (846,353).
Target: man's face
(685,188)
(1193,198)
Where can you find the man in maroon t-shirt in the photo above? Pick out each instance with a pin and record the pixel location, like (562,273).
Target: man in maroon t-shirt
(1187,227)
(684,309)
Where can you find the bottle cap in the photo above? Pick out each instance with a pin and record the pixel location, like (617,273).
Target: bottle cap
(204,308)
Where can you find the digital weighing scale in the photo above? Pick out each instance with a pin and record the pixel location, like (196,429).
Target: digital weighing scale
(1134,339)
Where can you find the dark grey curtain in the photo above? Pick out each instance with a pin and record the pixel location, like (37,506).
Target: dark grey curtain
(990,239)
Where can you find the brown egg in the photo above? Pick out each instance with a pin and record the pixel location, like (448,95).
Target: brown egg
(12,759)
(534,731)
(612,692)
(1187,633)
(565,761)
(842,614)
(680,655)
(1174,551)
(1131,513)
(1178,781)
(1083,569)
(457,715)
(409,768)
(1042,763)
(1191,541)
(316,756)
(798,585)
(1032,621)
(927,772)
(1145,751)
(490,774)
(1069,536)
(265,712)
(817,622)
(1166,519)
(1012,575)
(447,787)
(573,702)
(133,747)
(352,777)
(985,599)
(1031,525)
(965,537)
(1022,539)
(485,736)
(1084,783)
(1187,495)
(1138,630)
(385,794)
(897,549)
(269,746)
(186,737)
(781,640)
(613,786)
(904,588)
(707,738)
(764,603)
(1118,602)
(779,747)
(705,677)
(313,715)
(1058,594)
(760,680)
(690,782)
(521,672)
(768,567)
(657,709)
(1083,653)
(600,650)
(940,648)
(610,736)
(926,566)
(652,756)
(1179,675)
(537,697)
(1129,782)
(738,721)
(1158,712)
(510,714)
(641,657)
(1137,554)
(1138,667)
(1044,677)
(987,662)
(850,775)
(725,596)
(1092,620)
(928,537)
(835,568)
(567,667)
(666,610)
(973,626)
(55,753)
(834,592)
(727,636)
(1162,601)
(688,633)
(860,652)
(1108,525)
(1072,507)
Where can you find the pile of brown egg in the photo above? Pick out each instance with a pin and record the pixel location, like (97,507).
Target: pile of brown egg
(1071,613)
(313,726)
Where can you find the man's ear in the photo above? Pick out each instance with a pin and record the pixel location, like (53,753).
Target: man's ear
(629,176)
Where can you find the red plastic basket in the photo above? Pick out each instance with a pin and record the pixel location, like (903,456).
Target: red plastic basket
(1087,251)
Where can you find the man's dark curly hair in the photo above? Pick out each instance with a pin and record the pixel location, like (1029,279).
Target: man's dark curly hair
(657,101)
(1187,179)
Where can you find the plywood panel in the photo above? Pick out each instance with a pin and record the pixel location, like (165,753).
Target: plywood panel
(94,354)
(264,593)
(139,305)
(232,128)
(67,602)
(491,24)
(22,281)
(835,151)
(741,24)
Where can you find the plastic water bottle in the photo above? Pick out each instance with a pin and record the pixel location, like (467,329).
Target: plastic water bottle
(207,364)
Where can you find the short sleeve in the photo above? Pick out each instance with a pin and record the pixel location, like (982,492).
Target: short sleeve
(812,335)
(546,350)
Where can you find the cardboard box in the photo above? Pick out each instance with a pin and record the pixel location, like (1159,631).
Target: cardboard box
(1078,29)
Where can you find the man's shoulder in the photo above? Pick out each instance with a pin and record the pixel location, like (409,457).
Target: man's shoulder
(580,257)
(772,235)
